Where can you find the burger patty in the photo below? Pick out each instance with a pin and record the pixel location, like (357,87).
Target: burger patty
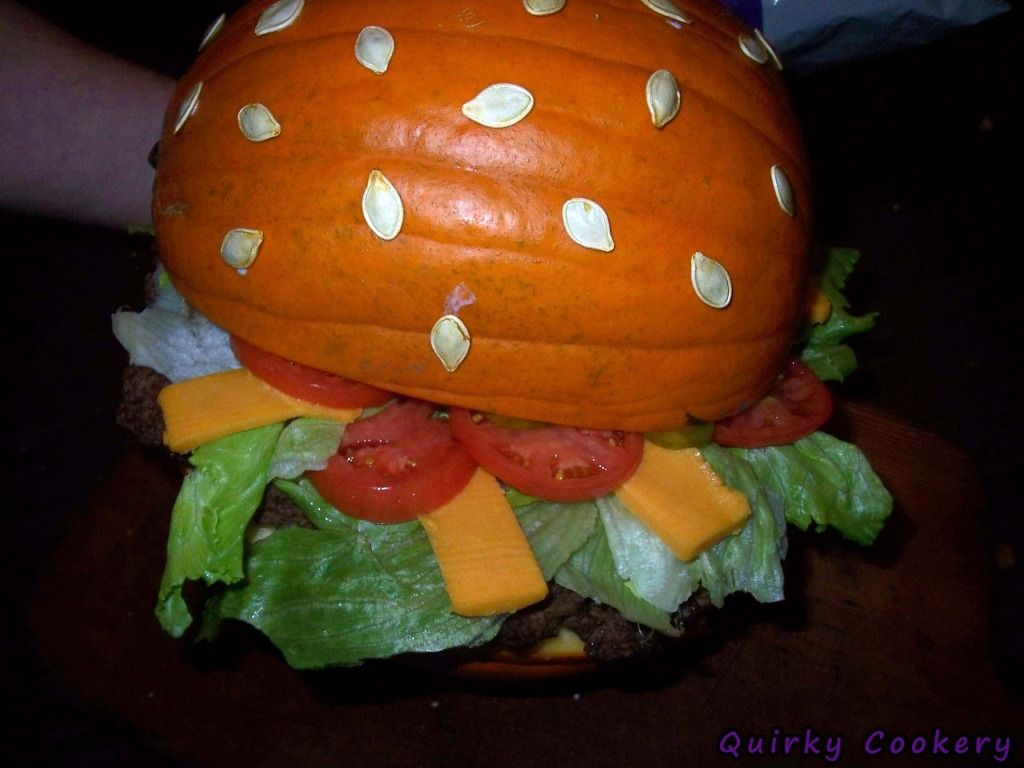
(608,635)
(139,412)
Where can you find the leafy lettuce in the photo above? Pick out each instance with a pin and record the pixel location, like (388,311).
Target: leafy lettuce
(172,338)
(824,351)
(351,590)
(823,481)
(818,479)
(219,497)
(345,592)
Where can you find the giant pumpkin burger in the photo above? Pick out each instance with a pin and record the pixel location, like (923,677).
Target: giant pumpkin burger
(512,304)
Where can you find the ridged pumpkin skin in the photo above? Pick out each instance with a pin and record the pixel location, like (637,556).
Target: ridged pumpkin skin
(559,332)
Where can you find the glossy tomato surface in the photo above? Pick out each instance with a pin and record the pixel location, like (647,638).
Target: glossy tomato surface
(550,462)
(798,405)
(395,465)
(305,383)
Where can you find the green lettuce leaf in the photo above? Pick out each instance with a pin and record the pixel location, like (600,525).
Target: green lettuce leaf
(749,561)
(219,497)
(352,590)
(346,592)
(824,481)
(824,351)
(208,521)
(591,572)
(819,479)
(556,530)
(169,336)
(305,444)
(643,560)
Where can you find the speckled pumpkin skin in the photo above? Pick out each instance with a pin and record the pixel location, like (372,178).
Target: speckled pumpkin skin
(559,332)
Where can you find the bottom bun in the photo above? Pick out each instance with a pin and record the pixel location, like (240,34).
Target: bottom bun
(564,655)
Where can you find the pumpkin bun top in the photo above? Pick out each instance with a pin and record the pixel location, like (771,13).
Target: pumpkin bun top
(589,212)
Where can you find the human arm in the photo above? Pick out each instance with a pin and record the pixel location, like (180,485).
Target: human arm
(78,124)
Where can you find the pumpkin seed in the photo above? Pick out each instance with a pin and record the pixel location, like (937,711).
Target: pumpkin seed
(499,105)
(663,98)
(450,340)
(257,123)
(710,281)
(213,30)
(587,224)
(543,7)
(374,48)
(669,9)
(783,190)
(382,207)
(240,247)
(188,106)
(768,47)
(753,49)
(278,16)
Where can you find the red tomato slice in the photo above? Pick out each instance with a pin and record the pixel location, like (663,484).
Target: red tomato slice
(395,465)
(799,405)
(550,462)
(305,383)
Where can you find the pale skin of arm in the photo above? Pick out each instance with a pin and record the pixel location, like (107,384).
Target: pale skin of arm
(77,125)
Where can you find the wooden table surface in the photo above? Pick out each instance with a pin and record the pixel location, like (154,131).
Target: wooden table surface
(890,639)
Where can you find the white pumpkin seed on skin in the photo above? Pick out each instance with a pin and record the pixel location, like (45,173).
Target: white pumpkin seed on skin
(783,190)
(374,48)
(257,123)
(543,7)
(213,30)
(499,105)
(450,340)
(710,281)
(663,97)
(240,247)
(382,207)
(768,47)
(587,224)
(188,106)
(669,9)
(278,16)
(753,49)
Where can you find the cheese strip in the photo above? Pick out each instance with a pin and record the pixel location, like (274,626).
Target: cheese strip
(485,558)
(680,498)
(565,643)
(201,410)
(819,307)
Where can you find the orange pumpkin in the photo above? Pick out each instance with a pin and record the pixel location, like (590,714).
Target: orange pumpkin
(555,321)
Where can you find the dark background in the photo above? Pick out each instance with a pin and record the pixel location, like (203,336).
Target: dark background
(916,158)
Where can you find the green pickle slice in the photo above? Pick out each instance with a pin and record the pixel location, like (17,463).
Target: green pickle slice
(692,436)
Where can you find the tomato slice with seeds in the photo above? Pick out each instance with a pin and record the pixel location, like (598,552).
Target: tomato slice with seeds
(550,462)
(798,405)
(395,465)
(305,383)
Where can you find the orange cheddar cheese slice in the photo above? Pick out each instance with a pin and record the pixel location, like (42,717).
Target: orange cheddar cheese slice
(565,644)
(819,307)
(485,558)
(680,498)
(201,410)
